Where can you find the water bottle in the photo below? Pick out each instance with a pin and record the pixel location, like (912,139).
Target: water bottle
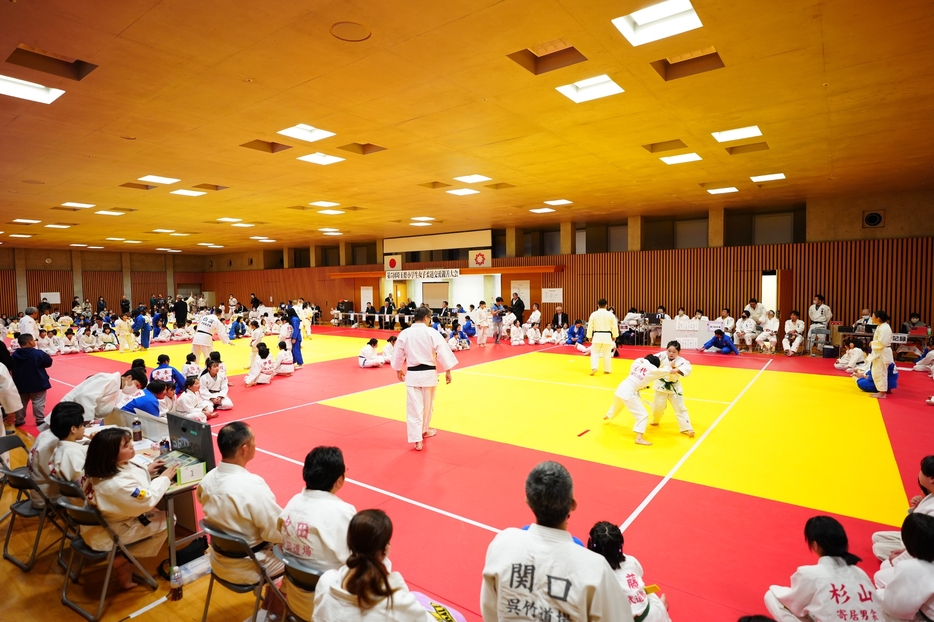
(165,446)
(175,584)
(137,427)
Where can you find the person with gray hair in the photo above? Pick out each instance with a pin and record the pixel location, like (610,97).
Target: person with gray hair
(27,323)
(542,569)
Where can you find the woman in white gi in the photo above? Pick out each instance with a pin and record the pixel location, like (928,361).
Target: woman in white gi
(533,334)
(364,589)
(190,403)
(669,388)
(88,341)
(910,594)
(769,335)
(887,545)
(516,334)
(126,495)
(164,336)
(794,334)
(285,364)
(483,323)
(70,343)
(548,335)
(745,331)
(817,593)
(881,356)
(214,386)
(263,369)
(256,338)
(642,374)
(285,332)
(819,314)
(368,356)
(728,322)
(607,540)
(388,348)
(853,357)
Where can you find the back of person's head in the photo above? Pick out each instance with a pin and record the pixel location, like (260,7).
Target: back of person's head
(157,387)
(218,311)
(373,342)
(918,536)
(163,359)
(191,358)
(139,363)
(882,315)
(323,467)
(602,302)
(651,358)
(254,324)
(101,460)
(607,540)
(549,491)
(392,339)
(231,437)
(368,535)
(421,313)
(24,339)
(283,346)
(262,350)
(65,416)
(137,374)
(827,533)
(215,356)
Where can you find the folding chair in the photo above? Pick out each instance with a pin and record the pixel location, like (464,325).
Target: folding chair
(812,338)
(235,547)
(24,509)
(88,515)
(71,530)
(9,443)
(300,573)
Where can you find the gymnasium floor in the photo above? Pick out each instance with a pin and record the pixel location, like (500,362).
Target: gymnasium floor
(714,520)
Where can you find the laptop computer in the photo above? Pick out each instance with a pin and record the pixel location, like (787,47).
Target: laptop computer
(191,441)
(655,319)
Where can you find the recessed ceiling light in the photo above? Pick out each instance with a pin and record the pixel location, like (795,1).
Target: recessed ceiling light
(58,226)
(267,240)
(162,249)
(541,210)
(658,21)
(333,233)
(77,244)
(172,250)
(28,90)
(473,179)
(20,235)
(156,179)
(132,242)
(205,243)
(681,159)
(305,132)
(737,134)
(463,191)
(95,247)
(180,235)
(188,193)
(324,204)
(420,224)
(215,246)
(330,212)
(116,239)
(257,237)
(163,230)
(559,202)
(26,221)
(320,158)
(591,88)
(327,229)
(229,219)
(773,177)
(722,190)
(104,212)
(242,224)
(423,218)
(78,205)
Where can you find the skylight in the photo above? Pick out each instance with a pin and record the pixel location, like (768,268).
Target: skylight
(473,179)
(773,177)
(305,132)
(591,88)
(156,179)
(320,158)
(658,21)
(28,90)
(681,159)
(722,190)
(737,134)
(463,191)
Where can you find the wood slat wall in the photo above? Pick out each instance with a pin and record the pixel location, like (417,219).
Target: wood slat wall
(38,281)
(145,284)
(288,284)
(108,284)
(8,292)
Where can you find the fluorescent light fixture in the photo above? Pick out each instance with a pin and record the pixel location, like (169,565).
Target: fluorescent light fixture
(559,202)
(163,231)
(78,205)
(188,193)
(773,177)
(423,218)
(205,243)
(463,191)
(77,245)
(333,233)
(330,212)
(180,235)
(95,247)
(172,250)
(267,240)
(305,132)
(156,179)
(104,212)
(324,204)
(722,190)
(116,239)
(257,237)
(20,235)
(327,229)
(26,221)
(28,90)
(737,134)
(320,158)
(132,242)
(242,224)
(541,210)
(473,179)
(58,226)
(681,159)
(162,249)
(591,88)
(420,224)
(229,219)
(215,246)
(658,21)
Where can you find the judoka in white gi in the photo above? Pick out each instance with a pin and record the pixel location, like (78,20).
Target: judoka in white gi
(602,331)
(756,311)
(368,356)
(853,357)
(925,363)
(263,369)
(835,583)
(88,341)
(745,331)
(534,318)
(881,357)
(191,404)
(256,338)
(668,388)
(794,334)
(516,334)
(419,355)
(70,343)
(124,329)
(388,348)
(208,326)
(887,545)
(533,335)
(769,335)
(642,374)
(214,387)
(910,593)
(819,314)
(548,335)
(728,322)
(542,569)
(285,364)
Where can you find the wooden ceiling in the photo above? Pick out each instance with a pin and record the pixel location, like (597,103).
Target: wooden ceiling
(841,89)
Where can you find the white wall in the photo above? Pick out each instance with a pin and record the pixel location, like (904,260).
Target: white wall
(468,289)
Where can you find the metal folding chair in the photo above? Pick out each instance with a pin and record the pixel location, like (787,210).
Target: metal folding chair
(300,573)
(9,443)
(235,547)
(88,515)
(24,509)
(812,338)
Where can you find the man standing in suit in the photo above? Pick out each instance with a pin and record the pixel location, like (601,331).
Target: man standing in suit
(517,306)
(181,312)
(559,319)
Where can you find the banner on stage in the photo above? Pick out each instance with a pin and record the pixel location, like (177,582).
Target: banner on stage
(552,294)
(405,275)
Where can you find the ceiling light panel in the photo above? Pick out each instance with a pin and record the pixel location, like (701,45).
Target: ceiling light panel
(180,235)
(26,221)
(115,239)
(330,212)
(215,246)
(324,204)
(104,212)
(205,243)
(722,190)
(163,230)
(58,226)
(422,218)
(681,159)
(305,132)
(20,235)
(463,191)
(418,224)
(320,158)
(659,21)
(737,134)
(267,240)
(541,210)
(28,90)
(242,224)
(156,179)
(258,237)
(473,179)
(132,242)
(95,247)
(80,245)
(559,202)
(589,89)
(188,193)
(328,229)
(225,219)
(329,233)
(78,205)
(773,177)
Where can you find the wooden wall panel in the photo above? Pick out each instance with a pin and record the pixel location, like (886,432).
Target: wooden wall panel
(108,284)
(145,284)
(8,292)
(38,281)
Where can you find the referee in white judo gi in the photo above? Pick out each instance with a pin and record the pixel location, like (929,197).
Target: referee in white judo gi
(602,331)
(203,342)
(419,355)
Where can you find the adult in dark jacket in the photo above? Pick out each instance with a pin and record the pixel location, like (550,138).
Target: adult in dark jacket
(560,318)
(124,305)
(101,304)
(254,301)
(30,378)
(517,306)
(181,312)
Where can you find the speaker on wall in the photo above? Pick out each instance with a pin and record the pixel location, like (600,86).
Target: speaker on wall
(873,219)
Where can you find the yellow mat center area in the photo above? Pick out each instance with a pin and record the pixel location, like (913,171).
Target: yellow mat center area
(809,440)
(237,355)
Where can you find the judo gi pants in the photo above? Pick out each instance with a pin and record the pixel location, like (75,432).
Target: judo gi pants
(482,334)
(377,362)
(419,405)
(677,403)
(604,351)
(794,345)
(777,610)
(127,343)
(635,407)
(202,353)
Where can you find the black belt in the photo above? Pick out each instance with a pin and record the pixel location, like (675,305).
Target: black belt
(422,368)
(920,613)
(603,331)
(204,333)
(210,391)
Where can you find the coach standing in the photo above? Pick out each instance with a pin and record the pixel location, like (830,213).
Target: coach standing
(602,331)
